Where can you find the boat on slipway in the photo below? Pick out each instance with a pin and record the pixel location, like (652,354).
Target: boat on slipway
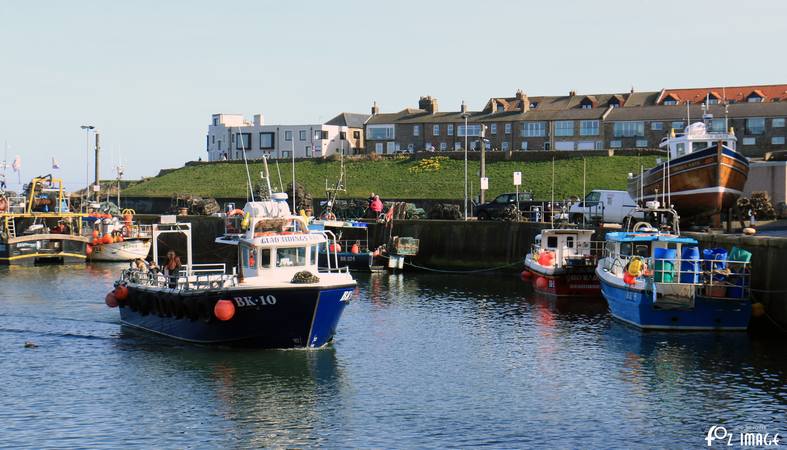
(703,176)
(118,238)
(562,262)
(277,298)
(39,227)
(654,278)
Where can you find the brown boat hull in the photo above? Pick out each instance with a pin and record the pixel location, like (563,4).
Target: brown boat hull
(703,183)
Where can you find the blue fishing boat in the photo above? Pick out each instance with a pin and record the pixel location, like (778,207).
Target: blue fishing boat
(653,278)
(352,246)
(277,298)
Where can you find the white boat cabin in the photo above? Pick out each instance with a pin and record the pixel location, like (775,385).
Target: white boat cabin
(560,248)
(697,137)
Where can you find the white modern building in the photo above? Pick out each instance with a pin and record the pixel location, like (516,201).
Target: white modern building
(230,134)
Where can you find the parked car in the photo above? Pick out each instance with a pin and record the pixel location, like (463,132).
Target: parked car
(533,210)
(602,205)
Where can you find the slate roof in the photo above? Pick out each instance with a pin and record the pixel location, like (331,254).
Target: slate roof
(352,120)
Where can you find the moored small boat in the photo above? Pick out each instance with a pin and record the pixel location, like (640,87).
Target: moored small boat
(655,279)
(116,240)
(562,263)
(351,248)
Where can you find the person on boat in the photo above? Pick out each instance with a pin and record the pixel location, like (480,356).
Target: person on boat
(172,268)
(376,206)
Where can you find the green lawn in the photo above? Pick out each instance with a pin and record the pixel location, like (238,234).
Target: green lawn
(400,178)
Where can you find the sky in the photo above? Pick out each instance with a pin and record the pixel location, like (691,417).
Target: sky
(149,74)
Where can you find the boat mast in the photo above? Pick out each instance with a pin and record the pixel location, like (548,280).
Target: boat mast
(246,163)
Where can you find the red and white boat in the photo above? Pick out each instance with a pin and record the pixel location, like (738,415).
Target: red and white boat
(702,177)
(562,263)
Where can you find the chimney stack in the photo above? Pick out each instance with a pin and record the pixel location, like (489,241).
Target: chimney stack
(524,101)
(572,93)
(259,120)
(375,109)
(428,103)
(464,107)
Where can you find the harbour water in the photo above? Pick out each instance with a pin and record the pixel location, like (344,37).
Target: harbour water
(420,360)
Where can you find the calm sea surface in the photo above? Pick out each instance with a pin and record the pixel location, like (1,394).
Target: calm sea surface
(419,361)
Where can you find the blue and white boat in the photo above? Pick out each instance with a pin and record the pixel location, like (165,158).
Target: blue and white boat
(277,298)
(655,279)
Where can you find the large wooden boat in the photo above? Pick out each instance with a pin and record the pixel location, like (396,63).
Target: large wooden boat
(702,176)
(39,227)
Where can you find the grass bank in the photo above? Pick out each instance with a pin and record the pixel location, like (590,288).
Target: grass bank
(434,178)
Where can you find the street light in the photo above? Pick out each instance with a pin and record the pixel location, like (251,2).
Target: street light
(87,129)
(465,116)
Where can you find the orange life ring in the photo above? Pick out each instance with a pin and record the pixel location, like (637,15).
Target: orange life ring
(264,233)
(3,204)
(235,212)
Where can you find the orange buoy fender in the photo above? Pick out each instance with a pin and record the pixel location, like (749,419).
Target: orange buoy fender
(525,275)
(355,248)
(541,283)
(111,301)
(88,249)
(107,239)
(121,292)
(224,310)
(628,278)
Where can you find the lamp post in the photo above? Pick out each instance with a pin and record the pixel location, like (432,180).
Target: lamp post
(465,116)
(483,161)
(87,129)
(292,135)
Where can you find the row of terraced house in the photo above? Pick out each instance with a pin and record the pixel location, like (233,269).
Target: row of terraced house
(632,120)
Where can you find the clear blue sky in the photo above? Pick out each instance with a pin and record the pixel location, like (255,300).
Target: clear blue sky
(149,74)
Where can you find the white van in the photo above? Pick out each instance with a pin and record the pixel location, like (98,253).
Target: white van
(603,206)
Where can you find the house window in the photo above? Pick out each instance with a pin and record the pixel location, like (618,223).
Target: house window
(302,135)
(288,135)
(615,103)
(472,130)
(670,101)
(242,142)
(628,129)
(213,138)
(493,128)
(564,128)
(599,145)
(356,134)
(443,146)
(777,122)
(457,146)
(508,128)
(717,125)
(219,145)
(677,126)
(615,144)
(777,140)
(410,147)
(308,150)
(749,141)
(436,130)
(501,108)
(378,147)
(449,129)
(416,130)
(642,143)
(428,146)
(342,135)
(588,128)
(587,106)
(324,134)
(755,125)
(547,146)
(285,154)
(505,146)
(215,121)
(266,141)
(534,129)
(713,101)
(657,126)
(523,145)
(754,98)
(380,132)
(317,134)
(533,105)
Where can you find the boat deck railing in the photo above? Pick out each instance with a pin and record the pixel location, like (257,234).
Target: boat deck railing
(202,276)
(711,277)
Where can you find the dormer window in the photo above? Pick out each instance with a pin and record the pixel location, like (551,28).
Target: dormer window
(587,103)
(501,108)
(533,105)
(614,103)
(754,97)
(586,106)
(713,98)
(670,100)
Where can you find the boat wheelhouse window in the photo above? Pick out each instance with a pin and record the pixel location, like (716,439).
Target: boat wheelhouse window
(290,256)
(552,242)
(680,149)
(625,248)
(570,241)
(265,257)
(696,146)
(641,250)
(249,256)
(314,255)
